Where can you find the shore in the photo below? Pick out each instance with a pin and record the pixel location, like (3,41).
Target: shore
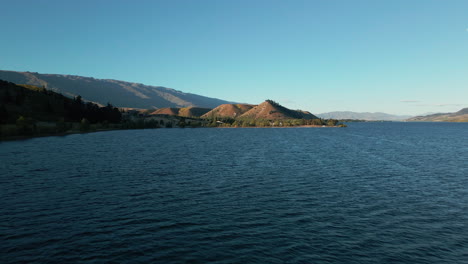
(71,132)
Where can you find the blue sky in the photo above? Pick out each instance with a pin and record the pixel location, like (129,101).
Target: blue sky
(400,57)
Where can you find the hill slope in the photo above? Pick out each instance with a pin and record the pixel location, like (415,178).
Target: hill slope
(228,110)
(273,111)
(185,111)
(119,93)
(44,105)
(460,116)
(363,116)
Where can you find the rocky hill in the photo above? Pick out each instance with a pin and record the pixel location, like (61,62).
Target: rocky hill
(119,93)
(271,110)
(460,116)
(228,110)
(185,111)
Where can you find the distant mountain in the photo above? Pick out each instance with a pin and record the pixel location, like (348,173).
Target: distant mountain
(363,116)
(273,111)
(185,111)
(460,116)
(228,110)
(119,93)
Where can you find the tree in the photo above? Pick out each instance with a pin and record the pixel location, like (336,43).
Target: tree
(84,124)
(61,126)
(79,100)
(316,122)
(20,96)
(7,98)
(25,126)
(3,115)
(332,122)
(182,123)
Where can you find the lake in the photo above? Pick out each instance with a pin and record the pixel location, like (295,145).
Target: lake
(368,193)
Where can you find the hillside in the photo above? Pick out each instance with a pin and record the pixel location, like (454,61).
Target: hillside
(460,116)
(271,110)
(40,104)
(228,110)
(185,111)
(119,93)
(266,114)
(341,115)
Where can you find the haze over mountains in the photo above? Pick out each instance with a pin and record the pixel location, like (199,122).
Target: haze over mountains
(119,93)
(363,116)
(460,116)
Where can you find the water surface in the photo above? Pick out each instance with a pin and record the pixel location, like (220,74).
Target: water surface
(369,193)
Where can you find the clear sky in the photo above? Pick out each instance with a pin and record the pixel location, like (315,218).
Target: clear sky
(399,57)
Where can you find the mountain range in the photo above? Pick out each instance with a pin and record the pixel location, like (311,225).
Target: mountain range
(118,93)
(341,115)
(172,102)
(460,116)
(268,110)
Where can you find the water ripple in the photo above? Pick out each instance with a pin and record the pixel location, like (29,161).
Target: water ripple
(365,194)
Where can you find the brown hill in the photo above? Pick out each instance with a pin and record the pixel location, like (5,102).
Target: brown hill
(119,93)
(193,111)
(228,110)
(166,111)
(272,111)
(460,116)
(185,111)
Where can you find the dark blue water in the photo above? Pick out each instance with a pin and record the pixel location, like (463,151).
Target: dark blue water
(369,193)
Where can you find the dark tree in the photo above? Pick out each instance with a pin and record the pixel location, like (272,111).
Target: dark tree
(3,115)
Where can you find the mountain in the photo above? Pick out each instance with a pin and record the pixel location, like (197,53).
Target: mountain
(228,110)
(460,116)
(119,93)
(39,104)
(185,111)
(363,116)
(271,110)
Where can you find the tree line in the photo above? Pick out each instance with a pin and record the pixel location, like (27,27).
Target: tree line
(252,122)
(31,110)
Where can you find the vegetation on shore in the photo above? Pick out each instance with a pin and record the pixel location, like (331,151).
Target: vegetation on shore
(253,122)
(30,111)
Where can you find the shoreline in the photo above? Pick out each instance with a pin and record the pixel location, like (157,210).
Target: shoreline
(62,134)
(304,126)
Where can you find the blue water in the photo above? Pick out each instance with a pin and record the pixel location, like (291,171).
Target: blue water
(368,193)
